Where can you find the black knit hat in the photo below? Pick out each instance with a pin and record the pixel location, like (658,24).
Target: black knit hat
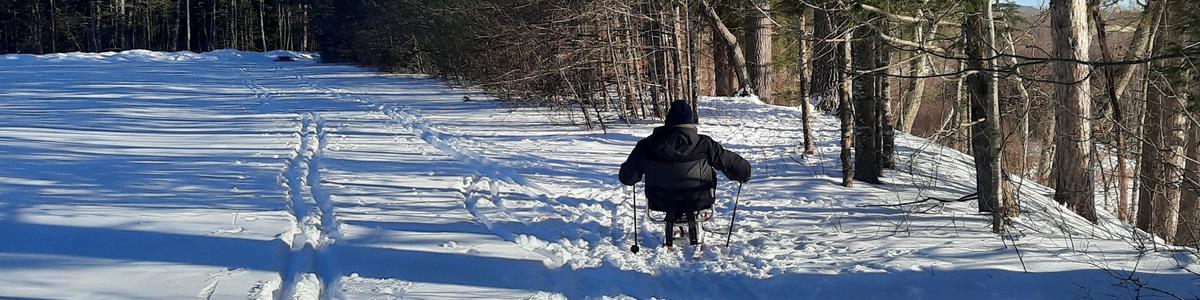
(680,113)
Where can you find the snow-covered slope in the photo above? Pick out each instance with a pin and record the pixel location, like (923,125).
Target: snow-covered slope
(225,175)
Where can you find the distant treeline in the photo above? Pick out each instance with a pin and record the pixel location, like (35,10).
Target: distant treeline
(605,57)
(51,26)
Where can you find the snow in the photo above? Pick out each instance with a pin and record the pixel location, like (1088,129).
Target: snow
(225,175)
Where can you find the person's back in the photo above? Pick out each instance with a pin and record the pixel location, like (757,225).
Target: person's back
(678,164)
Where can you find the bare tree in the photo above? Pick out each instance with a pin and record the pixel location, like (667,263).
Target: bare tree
(1148,23)
(1169,156)
(845,108)
(1164,151)
(802,77)
(979,28)
(1187,232)
(1073,175)
(262,23)
(737,58)
(1117,79)
(914,94)
(867,93)
(724,80)
(758,49)
(187,4)
(1150,172)
(53,27)
(824,87)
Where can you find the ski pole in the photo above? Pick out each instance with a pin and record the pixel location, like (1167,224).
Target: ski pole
(633,193)
(734,218)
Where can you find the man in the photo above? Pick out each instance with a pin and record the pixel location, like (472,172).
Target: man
(678,165)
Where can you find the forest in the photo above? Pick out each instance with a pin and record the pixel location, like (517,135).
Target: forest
(59,26)
(1094,98)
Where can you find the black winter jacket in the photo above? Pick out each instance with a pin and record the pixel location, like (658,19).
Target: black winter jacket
(678,165)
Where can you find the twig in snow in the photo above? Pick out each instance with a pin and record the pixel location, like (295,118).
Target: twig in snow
(1020,257)
(969,197)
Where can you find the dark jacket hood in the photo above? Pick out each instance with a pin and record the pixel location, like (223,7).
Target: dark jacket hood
(675,142)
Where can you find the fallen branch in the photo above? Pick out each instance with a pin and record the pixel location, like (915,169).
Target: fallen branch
(970,197)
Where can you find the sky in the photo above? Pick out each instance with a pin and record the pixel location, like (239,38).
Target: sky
(1040,3)
(1031,3)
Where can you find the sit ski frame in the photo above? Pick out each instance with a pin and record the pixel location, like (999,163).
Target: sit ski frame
(691,219)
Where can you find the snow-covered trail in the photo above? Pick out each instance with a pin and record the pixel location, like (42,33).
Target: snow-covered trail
(136,180)
(145,175)
(395,204)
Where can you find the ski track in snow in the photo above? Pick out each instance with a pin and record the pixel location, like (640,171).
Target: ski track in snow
(486,169)
(494,173)
(309,258)
(561,252)
(502,188)
(315,226)
(214,280)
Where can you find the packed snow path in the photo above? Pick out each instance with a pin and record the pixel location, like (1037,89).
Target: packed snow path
(146,175)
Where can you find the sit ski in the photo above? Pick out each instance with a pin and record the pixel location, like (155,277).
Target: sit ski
(679,166)
(683,227)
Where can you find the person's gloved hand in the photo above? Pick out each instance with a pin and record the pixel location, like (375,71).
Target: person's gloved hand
(744,177)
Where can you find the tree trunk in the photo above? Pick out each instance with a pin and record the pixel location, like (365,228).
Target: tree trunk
(304,45)
(737,59)
(1166,208)
(867,167)
(678,59)
(1165,214)
(693,59)
(639,87)
(985,110)
(916,91)
(825,85)
(1117,114)
(188,7)
(212,28)
(1152,189)
(1023,94)
(803,80)
(37,28)
(53,27)
(883,103)
(1187,233)
(724,81)
(1150,20)
(1149,185)
(846,111)
(1068,19)
(94,39)
(178,32)
(961,134)
(262,23)
(280,42)
(652,41)
(758,49)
